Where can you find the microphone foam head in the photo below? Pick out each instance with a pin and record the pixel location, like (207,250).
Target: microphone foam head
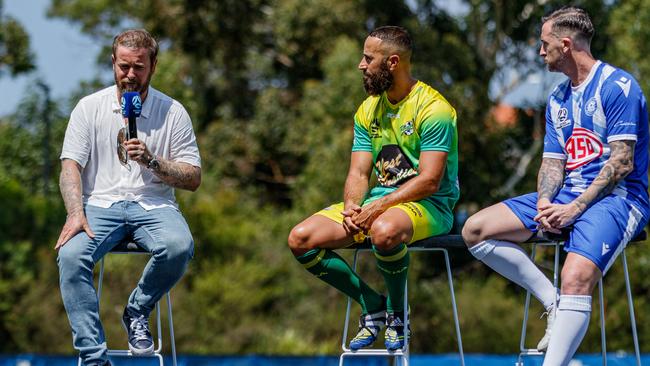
(131,104)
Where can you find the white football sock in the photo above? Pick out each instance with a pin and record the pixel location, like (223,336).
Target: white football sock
(510,261)
(571,322)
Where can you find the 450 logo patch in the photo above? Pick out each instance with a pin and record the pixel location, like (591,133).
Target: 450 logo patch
(582,147)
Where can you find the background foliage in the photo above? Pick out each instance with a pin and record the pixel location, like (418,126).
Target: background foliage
(272,86)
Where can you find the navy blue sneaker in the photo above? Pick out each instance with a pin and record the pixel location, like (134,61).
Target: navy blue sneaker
(137,330)
(394,337)
(369,327)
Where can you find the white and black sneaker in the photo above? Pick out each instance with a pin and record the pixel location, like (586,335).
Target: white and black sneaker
(137,330)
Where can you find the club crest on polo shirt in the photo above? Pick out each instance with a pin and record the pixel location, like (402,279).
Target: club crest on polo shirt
(582,147)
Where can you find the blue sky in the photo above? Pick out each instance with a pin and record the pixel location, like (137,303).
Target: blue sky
(64,56)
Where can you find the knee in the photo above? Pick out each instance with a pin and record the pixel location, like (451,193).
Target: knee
(72,262)
(578,282)
(473,232)
(176,248)
(386,235)
(299,240)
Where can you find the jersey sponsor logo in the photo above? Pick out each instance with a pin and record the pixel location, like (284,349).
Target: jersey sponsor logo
(407,128)
(625,84)
(374,129)
(393,167)
(562,120)
(582,147)
(392,115)
(590,109)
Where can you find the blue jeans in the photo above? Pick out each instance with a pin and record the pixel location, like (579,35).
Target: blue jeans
(163,232)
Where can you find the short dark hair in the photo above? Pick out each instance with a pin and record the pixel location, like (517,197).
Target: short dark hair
(571,21)
(397,37)
(137,38)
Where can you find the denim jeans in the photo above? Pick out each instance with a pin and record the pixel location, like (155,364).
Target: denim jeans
(163,232)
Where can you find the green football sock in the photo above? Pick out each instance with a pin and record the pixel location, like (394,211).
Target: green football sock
(394,265)
(331,268)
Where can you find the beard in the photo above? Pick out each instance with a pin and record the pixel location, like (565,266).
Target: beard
(126,85)
(556,65)
(379,82)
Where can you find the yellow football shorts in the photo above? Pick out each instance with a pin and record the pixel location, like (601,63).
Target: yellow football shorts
(426,218)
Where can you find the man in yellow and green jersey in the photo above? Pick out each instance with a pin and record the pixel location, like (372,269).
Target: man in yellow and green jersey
(406,131)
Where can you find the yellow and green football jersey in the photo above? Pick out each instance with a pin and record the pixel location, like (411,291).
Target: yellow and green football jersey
(395,134)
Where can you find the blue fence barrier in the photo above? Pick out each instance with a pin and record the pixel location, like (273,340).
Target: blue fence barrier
(613,359)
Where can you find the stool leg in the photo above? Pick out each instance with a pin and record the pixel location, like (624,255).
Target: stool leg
(407,321)
(158,329)
(630,303)
(454,308)
(101,279)
(556,266)
(347,311)
(603,333)
(522,339)
(171,328)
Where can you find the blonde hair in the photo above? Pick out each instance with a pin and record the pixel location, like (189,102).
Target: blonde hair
(136,38)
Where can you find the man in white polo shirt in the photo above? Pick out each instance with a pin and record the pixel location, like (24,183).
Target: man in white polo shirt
(116,189)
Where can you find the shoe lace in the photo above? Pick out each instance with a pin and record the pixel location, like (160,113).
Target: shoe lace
(550,318)
(140,328)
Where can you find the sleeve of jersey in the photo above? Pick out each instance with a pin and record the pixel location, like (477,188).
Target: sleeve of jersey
(76,143)
(437,132)
(361,137)
(622,103)
(552,147)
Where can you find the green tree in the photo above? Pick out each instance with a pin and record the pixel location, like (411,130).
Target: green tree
(272,86)
(15,54)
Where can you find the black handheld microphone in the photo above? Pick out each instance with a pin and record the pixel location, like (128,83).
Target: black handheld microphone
(131,108)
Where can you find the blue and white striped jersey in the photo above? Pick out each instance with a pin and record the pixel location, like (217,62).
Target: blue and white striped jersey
(582,121)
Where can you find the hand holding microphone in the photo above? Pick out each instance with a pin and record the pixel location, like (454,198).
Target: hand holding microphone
(131,109)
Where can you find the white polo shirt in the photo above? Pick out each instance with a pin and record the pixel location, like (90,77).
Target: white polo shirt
(91,140)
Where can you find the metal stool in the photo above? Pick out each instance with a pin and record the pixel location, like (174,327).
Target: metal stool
(128,247)
(402,356)
(557,241)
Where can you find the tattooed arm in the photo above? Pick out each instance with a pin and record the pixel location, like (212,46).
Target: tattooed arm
(549,182)
(617,167)
(549,178)
(178,175)
(70,186)
(173,173)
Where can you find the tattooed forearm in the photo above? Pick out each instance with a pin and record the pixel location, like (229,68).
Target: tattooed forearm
(617,167)
(549,178)
(70,186)
(179,175)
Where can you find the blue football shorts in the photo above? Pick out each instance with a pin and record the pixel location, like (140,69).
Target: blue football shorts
(600,234)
